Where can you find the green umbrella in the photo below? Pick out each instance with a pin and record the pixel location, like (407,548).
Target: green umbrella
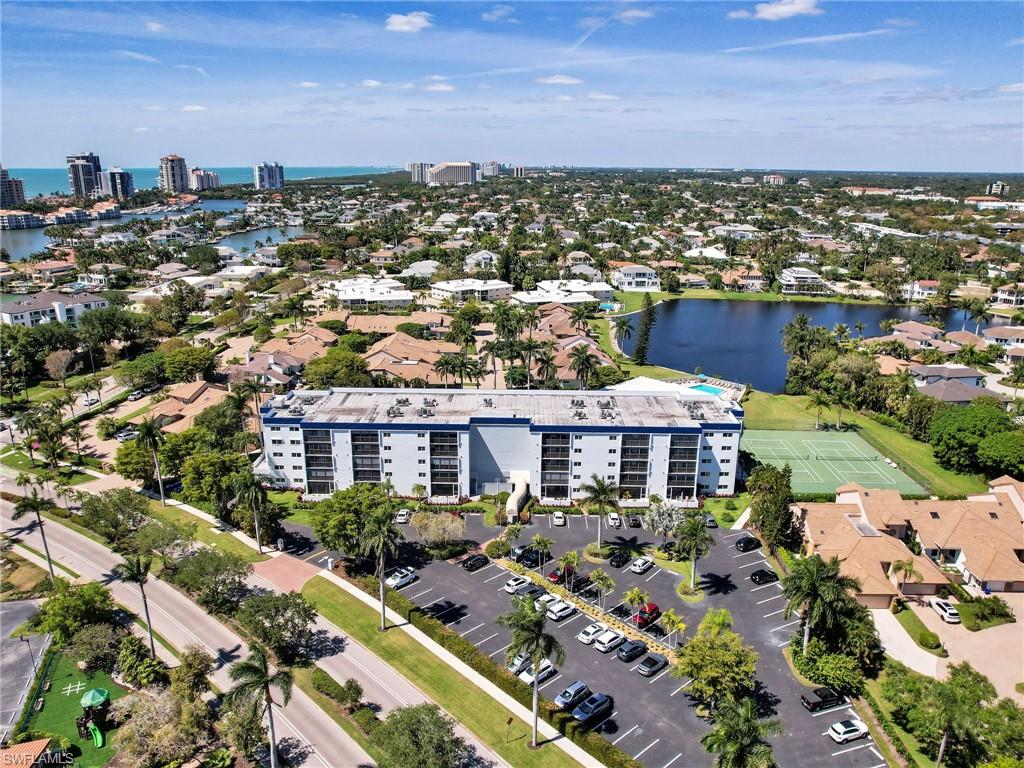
(94,697)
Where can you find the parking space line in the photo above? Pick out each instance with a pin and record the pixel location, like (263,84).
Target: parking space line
(747,554)
(656,572)
(751,565)
(431,605)
(765,586)
(677,690)
(634,669)
(646,748)
(549,521)
(497,576)
(829,711)
(734,535)
(666,765)
(586,521)
(542,686)
(774,613)
(626,733)
(456,621)
(421,594)
(877,754)
(463,634)
(613,714)
(661,675)
(449,608)
(880,765)
(489,565)
(572,619)
(782,645)
(489,637)
(776,597)
(787,625)
(851,749)
(568,521)
(492,655)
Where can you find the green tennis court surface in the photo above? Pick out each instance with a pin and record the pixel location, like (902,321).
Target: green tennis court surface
(823,461)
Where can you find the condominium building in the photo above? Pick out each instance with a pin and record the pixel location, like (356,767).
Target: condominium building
(20,220)
(471,288)
(12,191)
(49,307)
(457,443)
(518,172)
(490,168)
(268,175)
(774,179)
(83,174)
(997,188)
(67,216)
(418,172)
(384,292)
(173,175)
(452,173)
(200,179)
(117,182)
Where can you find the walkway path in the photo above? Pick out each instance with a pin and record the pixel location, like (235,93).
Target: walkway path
(901,646)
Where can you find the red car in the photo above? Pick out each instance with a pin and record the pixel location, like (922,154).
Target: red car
(647,615)
(558,577)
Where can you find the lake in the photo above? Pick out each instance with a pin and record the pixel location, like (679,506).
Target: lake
(742,340)
(266,235)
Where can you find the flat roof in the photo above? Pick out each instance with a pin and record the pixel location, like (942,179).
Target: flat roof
(593,410)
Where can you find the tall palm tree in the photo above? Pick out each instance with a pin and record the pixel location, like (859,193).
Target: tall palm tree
(635,598)
(547,371)
(33,504)
(859,325)
(672,623)
(76,433)
(543,545)
(151,437)
(135,570)
(254,680)
(602,495)
(570,563)
(252,497)
(252,388)
(980,314)
(28,423)
(604,584)
(623,329)
(905,570)
(842,398)
(490,351)
(817,400)
(817,587)
(529,348)
(693,538)
(740,737)
(578,317)
(512,533)
(584,362)
(527,622)
(239,402)
(380,540)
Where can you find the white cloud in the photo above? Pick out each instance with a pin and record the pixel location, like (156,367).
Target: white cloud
(633,15)
(154,26)
(136,56)
(439,87)
(416,21)
(564,97)
(140,130)
(305,84)
(369,83)
(778,10)
(597,96)
(435,78)
(499,13)
(1012,88)
(198,70)
(901,22)
(840,37)
(193,108)
(405,86)
(1016,41)
(559,80)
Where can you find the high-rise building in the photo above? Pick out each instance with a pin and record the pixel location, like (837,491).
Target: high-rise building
(463,172)
(200,179)
(490,168)
(418,172)
(12,191)
(997,188)
(117,182)
(268,175)
(518,172)
(774,179)
(173,174)
(83,174)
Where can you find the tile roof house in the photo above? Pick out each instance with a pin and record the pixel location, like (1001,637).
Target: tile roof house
(177,412)
(956,392)
(403,357)
(931,374)
(270,369)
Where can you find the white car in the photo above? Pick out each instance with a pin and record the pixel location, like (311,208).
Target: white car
(945,609)
(514,584)
(641,565)
(545,601)
(560,610)
(403,516)
(519,662)
(588,635)
(546,670)
(847,730)
(609,640)
(90,401)
(558,518)
(400,577)
(614,521)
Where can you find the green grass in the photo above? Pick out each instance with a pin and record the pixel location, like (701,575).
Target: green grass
(1019,687)
(135,414)
(723,516)
(22,580)
(600,328)
(204,531)
(472,707)
(912,623)
(60,710)
(765,411)
(289,500)
(303,679)
(969,617)
(21,462)
(874,687)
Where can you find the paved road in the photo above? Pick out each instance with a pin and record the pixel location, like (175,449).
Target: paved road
(308,734)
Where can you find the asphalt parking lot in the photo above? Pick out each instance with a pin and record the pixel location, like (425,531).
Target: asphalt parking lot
(653,719)
(16,659)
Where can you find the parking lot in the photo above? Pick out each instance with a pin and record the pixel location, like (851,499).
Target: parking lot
(653,719)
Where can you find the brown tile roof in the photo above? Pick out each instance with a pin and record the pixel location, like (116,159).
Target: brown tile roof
(24,754)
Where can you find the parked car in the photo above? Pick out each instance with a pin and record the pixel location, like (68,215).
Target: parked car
(614,521)
(609,640)
(580,584)
(136,394)
(591,632)
(475,562)
(652,664)
(747,544)
(558,518)
(532,558)
(152,388)
(820,698)
(642,564)
(572,695)
(546,670)
(90,400)
(618,559)
(125,435)
(560,610)
(544,601)
(631,649)
(633,521)
(764,576)
(710,522)
(560,575)
(530,592)
(403,516)
(594,708)
(516,583)
(400,577)
(517,552)
(945,609)
(647,615)
(847,730)
(518,663)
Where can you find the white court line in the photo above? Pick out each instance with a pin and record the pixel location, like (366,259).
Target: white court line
(626,733)
(776,597)
(661,674)
(677,690)
(646,748)
(666,765)
(851,749)
(463,634)
(489,637)
(765,586)
(656,572)
(751,565)
(421,594)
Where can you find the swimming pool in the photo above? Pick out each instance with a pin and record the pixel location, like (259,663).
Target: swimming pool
(608,306)
(708,389)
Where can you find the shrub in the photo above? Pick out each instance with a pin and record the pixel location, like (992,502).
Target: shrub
(447,550)
(347,694)
(730,504)
(929,640)
(497,548)
(602,552)
(366,719)
(106,427)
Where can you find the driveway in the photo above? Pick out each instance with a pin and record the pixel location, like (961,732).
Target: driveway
(106,450)
(901,646)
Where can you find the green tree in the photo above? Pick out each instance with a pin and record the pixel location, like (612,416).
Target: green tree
(600,495)
(584,362)
(135,570)
(603,583)
(672,623)
(379,539)
(694,540)
(420,736)
(771,496)
(187,363)
(338,521)
(150,438)
(817,401)
(281,622)
(216,578)
(739,738)
(210,477)
(70,607)
(956,433)
(818,589)
(721,667)
(543,546)
(254,681)
(339,367)
(116,515)
(1002,454)
(34,505)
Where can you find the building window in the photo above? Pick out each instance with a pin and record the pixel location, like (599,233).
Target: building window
(726,461)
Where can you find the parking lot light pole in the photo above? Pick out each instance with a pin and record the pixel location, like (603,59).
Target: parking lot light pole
(31,656)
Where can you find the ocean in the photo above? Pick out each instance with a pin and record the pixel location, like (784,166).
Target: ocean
(45,181)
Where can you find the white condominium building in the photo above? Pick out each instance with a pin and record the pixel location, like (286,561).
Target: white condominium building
(49,307)
(418,172)
(452,173)
(268,175)
(200,179)
(800,280)
(460,443)
(774,179)
(471,288)
(385,292)
(173,175)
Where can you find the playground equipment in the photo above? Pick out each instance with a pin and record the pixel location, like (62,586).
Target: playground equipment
(94,705)
(97,735)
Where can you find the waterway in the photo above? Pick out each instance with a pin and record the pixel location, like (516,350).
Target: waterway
(742,340)
(266,235)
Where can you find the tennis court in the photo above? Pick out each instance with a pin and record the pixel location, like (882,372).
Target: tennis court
(823,461)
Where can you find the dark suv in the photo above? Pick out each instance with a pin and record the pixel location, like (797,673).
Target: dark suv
(820,698)
(747,544)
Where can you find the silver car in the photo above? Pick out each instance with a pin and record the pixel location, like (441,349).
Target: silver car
(573,694)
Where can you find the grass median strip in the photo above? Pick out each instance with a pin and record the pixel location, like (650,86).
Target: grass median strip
(205,534)
(303,680)
(472,707)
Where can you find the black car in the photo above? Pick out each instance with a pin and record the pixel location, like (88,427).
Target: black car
(530,592)
(580,584)
(594,708)
(517,553)
(747,544)
(820,698)
(618,559)
(764,576)
(475,562)
(710,522)
(633,521)
(531,558)
(631,649)
(652,665)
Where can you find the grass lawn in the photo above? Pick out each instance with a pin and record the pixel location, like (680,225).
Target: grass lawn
(62,707)
(765,411)
(205,533)
(969,617)
(916,628)
(135,414)
(22,580)
(724,516)
(874,687)
(303,679)
(289,500)
(21,462)
(684,568)
(601,329)
(475,709)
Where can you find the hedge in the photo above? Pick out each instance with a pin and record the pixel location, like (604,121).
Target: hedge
(497,548)
(327,685)
(366,719)
(889,727)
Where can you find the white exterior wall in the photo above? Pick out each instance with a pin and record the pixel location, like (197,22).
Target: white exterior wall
(292,469)
(593,453)
(401,454)
(719,459)
(498,450)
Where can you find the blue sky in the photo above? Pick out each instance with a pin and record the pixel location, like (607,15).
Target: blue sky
(782,83)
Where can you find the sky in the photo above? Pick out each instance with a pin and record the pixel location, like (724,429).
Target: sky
(932,86)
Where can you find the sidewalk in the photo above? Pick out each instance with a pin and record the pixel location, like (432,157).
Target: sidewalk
(901,646)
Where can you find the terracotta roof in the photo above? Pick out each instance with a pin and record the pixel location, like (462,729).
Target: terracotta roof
(24,754)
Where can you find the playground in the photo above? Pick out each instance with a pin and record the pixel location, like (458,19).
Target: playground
(63,690)
(822,462)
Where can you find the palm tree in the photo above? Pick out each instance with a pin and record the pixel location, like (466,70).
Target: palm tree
(251,496)
(904,570)
(254,680)
(76,433)
(604,584)
(543,545)
(578,318)
(672,623)
(547,371)
(583,361)
(529,348)
(623,329)
(490,351)
(569,562)
(135,570)
(979,314)
(859,325)
(512,533)
(252,388)
(380,540)
(817,400)
(603,495)
(28,423)
(527,623)
(841,331)
(33,504)
(740,737)
(693,538)
(635,598)
(239,402)
(817,587)
(841,399)
(151,437)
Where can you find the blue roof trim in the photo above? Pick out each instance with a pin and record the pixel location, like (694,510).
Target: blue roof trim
(499,421)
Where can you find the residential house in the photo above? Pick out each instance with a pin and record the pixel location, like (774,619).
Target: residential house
(363,291)
(1009,295)
(420,270)
(276,370)
(482,261)
(748,280)
(627,276)
(98,275)
(920,290)
(932,374)
(400,356)
(436,323)
(802,281)
(49,307)
(711,253)
(177,412)
(956,392)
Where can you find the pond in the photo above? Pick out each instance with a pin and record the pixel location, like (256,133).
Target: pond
(742,340)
